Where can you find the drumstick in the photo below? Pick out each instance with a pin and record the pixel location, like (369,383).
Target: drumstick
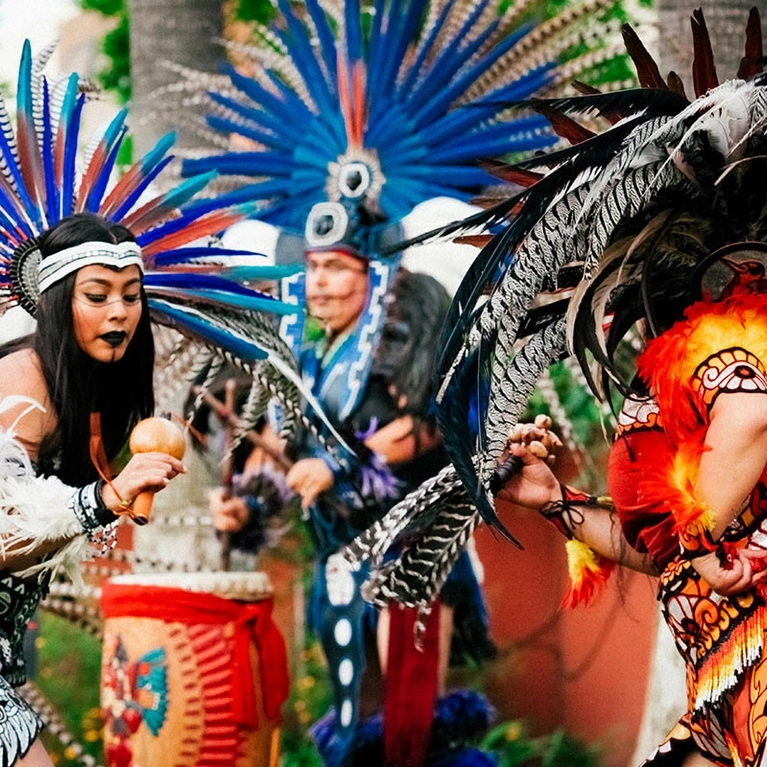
(280,459)
(228,417)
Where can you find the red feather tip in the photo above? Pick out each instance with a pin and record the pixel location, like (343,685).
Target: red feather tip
(752,62)
(506,172)
(704,76)
(647,70)
(565,127)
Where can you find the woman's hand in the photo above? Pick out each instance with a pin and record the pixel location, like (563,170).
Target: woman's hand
(144,471)
(308,478)
(532,487)
(229,513)
(745,570)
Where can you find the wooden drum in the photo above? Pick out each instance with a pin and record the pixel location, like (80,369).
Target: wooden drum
(194,671)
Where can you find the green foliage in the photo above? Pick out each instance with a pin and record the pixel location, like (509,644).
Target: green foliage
(515,748)
(115,76)
(116,47)
(310,697)
(255,10)
(69,674)
(107,7)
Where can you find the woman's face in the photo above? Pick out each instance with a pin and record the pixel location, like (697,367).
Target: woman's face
(106,307)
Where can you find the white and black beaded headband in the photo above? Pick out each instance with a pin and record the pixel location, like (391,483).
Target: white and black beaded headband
(34,275)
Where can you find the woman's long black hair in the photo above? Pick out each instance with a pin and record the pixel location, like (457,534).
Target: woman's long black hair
(78,385)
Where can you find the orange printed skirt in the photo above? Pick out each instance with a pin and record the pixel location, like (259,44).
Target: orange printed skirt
(722,642)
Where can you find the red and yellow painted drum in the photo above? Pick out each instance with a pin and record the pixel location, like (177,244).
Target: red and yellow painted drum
(194,671)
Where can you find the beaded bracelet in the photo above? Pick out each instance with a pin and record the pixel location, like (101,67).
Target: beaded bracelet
(565,514)
(97,520)
(700,543)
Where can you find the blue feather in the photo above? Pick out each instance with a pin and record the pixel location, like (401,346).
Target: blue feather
(223,298)
(131,199)
(69,172)
(26,139)
(416,70)
(10,217)
(182,222)
(400,29)
(69,107)
(324,34)
(478,120)
(443,80)
(323,93)
(24,96)
(436,100)
(51,192)
(96,194)
(374,43)
(186,190)
(248,163)
(255,273)
(210,287)
(188,320)
(353,30)
(112,139)
(183,255)
(156,154)
(275,114)
(489,146)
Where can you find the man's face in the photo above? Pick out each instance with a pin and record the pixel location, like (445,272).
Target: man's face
(336,289)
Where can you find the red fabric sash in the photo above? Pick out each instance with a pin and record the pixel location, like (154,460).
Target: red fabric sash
(252,623)
(410,687)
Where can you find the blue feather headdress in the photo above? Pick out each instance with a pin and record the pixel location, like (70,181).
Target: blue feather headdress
(201,292)
(44,178)
(356,113)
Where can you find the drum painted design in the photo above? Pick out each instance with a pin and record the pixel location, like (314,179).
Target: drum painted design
(193,671)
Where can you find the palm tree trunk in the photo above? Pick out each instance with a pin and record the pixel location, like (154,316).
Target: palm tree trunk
(185,32)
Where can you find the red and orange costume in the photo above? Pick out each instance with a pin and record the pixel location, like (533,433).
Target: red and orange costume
(719,348)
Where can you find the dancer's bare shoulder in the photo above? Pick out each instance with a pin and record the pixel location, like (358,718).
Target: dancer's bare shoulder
(25,406)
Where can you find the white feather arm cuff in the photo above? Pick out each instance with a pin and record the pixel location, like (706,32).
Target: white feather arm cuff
(35,511)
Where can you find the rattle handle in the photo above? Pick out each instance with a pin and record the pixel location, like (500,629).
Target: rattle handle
(504,472)
(141,508)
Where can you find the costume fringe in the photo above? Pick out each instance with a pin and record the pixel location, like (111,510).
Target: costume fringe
(724,666)
(588,571)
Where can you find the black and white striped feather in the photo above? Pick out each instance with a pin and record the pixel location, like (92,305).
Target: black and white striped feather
(417,576)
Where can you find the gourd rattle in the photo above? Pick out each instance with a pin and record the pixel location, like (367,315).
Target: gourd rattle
(153,435)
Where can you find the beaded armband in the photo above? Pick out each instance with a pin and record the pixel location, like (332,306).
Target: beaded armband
(565,514)
(97,521)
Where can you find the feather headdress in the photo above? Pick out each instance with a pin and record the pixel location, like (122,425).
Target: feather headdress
(355,113)
(202,292)
(631,213)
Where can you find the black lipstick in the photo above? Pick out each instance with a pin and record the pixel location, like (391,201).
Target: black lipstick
(114,338)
